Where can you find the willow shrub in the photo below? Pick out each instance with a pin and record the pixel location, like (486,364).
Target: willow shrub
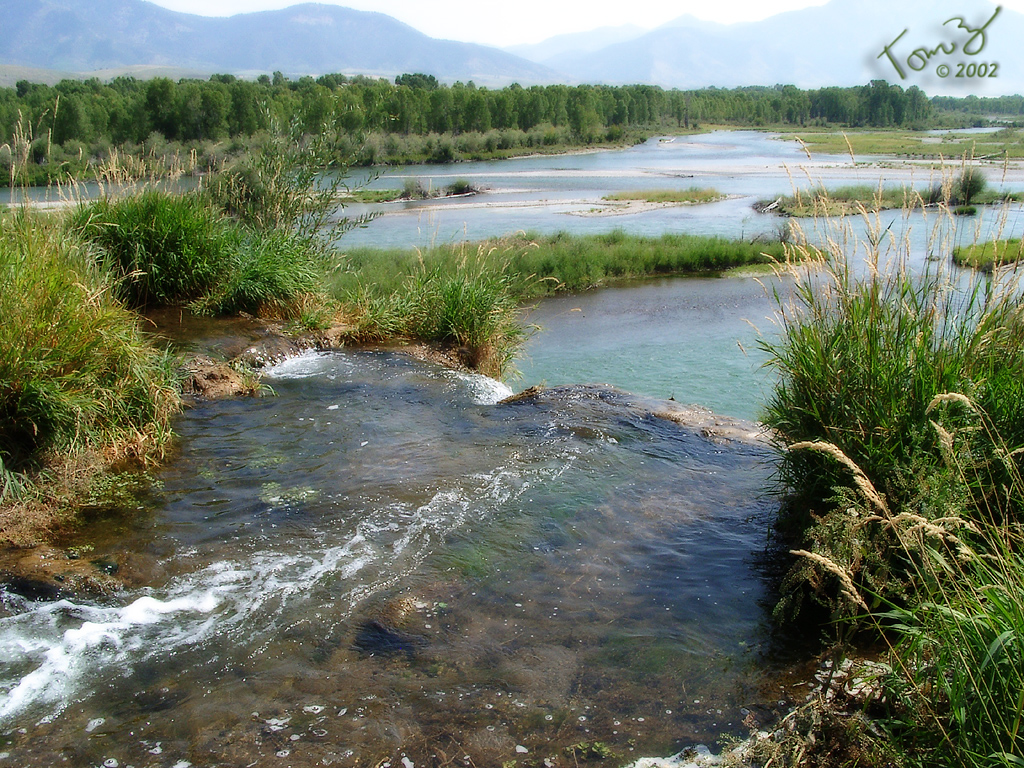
(75,372)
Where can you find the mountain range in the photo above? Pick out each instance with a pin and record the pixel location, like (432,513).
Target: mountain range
(86,35)
(840,43)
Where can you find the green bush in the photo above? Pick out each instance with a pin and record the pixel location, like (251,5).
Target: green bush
(970,186)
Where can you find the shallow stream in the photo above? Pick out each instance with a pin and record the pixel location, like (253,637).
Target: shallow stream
(383,563)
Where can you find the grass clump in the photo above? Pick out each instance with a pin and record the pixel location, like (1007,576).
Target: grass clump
(989,255)
(575,263)
(271,274)
(468,303)
(860,359)
(76,375)
(370,196)
(165,249)
(162,249)
(691,195)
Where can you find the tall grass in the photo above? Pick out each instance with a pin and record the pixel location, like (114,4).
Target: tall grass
(958,686)
(163,249)
(470,295)
(861,355)
(954,695)
(541,265)
(899,418)
(958,682)
(470,303)
(168,249)
(75,372)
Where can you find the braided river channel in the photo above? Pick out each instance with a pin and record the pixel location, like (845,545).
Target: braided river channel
(384,564)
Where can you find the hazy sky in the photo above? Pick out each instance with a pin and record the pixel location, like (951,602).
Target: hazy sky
(529,21)
(522,21)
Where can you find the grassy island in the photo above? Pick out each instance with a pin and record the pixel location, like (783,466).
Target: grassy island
(989,255)
(690,196)
(960,196)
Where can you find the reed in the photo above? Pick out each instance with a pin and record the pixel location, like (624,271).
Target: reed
(861,353)
(898,414)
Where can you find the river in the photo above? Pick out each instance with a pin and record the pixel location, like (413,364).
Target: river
(383,564)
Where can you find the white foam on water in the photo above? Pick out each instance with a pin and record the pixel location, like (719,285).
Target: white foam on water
(50,653)
(97,636)
(483,389)
(53,655)
(304,366)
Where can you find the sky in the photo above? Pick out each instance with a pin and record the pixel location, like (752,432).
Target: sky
(523,21)
(530,21)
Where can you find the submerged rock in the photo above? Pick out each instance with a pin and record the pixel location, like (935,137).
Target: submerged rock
(210,379)
(713,426)
(383,635)
(375,638)
(47,573)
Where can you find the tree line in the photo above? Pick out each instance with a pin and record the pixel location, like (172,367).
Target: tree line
(86,117)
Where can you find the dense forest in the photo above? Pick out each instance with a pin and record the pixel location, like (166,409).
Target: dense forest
(63,129)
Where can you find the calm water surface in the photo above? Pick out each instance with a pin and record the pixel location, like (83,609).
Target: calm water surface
(559,193)
(692,340)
